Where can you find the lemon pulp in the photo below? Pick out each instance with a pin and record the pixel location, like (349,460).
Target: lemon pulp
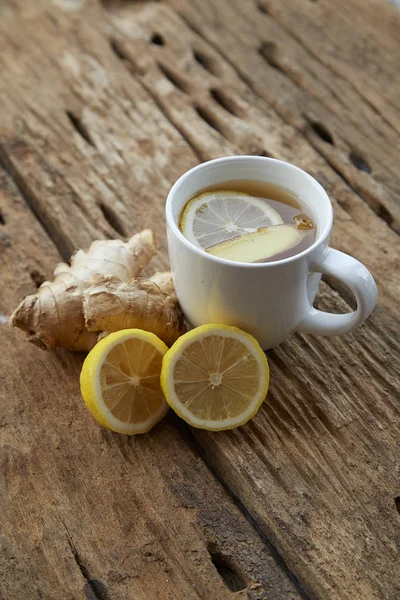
(120,381)
(215,377)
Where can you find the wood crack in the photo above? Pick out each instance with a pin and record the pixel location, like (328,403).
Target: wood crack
(94,589)
(189,437)
(31,201)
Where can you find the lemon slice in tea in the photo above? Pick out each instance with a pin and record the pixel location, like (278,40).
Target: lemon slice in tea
(215,217)
(120,381)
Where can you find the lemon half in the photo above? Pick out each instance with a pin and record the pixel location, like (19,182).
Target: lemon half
(120,381)
(215,377)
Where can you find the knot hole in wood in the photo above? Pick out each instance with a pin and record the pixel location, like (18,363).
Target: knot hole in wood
(112,218)
(208,62)
(228,572)
(322,131)
(157,39)
(359,162)
(264,7)
(224,101)
(80,128)
(174,77)
(271,53)
(208,117)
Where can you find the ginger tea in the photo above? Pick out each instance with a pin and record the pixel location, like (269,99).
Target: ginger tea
(248,221)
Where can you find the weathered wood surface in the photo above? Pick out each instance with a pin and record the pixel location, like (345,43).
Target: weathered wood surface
(103,105)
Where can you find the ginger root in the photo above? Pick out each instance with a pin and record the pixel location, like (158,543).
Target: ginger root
(111,305)
(165,283)
(54,315)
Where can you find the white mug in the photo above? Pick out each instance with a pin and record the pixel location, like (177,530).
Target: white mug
(269,300)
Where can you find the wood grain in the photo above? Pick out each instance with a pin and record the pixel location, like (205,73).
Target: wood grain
(104,105)
(90,514)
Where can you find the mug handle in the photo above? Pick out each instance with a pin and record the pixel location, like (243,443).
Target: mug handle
(357,278)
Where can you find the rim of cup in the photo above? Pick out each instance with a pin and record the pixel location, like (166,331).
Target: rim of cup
(171,221)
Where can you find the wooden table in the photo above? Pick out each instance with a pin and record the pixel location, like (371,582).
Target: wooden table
(104,103)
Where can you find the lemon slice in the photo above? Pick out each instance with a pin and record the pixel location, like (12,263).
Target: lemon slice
(215,377)
(120,381)
(215,217)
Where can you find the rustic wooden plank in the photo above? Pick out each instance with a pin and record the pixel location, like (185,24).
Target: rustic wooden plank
(318,464)
(89,514)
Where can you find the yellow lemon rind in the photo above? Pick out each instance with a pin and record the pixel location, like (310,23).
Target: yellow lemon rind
(89,379)
(173,354)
